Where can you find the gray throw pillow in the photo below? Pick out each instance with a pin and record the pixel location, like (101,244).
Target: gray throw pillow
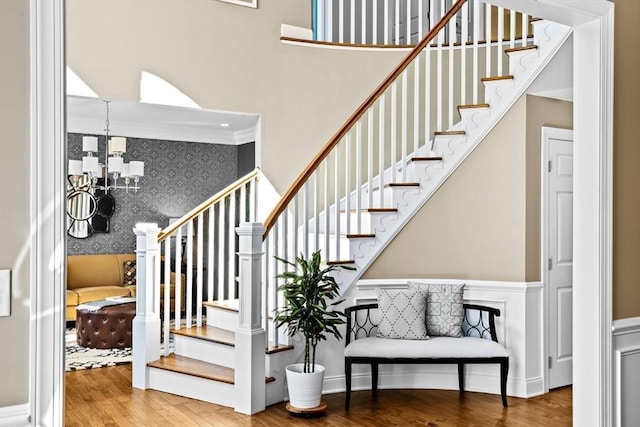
(444,309)
(403,313)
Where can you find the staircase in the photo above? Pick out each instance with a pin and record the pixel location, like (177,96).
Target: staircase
(356,195)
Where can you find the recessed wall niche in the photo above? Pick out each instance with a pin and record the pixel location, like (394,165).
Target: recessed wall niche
(178,176)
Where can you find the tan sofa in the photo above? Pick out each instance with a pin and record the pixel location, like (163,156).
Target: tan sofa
(96,277)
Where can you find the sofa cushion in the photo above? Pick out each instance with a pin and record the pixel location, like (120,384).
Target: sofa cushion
(72,297)
(435,347)
(444,308)
(96,270)
(96,293)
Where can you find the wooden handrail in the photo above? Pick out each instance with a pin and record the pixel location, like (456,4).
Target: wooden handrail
(168,231)
(363,108)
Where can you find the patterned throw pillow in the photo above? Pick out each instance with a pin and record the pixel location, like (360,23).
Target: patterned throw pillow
(444,310)
(129,268)
(402,313)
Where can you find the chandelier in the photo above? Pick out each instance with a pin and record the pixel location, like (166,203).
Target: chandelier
(113,166)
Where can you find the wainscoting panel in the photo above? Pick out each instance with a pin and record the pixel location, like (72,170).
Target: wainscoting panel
(519,328)
(626,371)
(15,416)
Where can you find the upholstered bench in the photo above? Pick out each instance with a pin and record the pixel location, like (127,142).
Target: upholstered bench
(478,344)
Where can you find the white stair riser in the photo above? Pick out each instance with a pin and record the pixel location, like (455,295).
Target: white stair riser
(207,351)
(342,242)
(193,387)
(221,318)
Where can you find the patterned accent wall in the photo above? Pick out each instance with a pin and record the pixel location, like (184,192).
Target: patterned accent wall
(178,177)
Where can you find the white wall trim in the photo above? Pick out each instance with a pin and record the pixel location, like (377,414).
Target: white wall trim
(629,325)
(626,372)
(47,190)
(16,416)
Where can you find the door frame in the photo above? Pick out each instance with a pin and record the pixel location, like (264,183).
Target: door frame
(546,133)
(593,126)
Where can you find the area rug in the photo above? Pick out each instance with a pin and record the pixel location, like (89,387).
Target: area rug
(78,358)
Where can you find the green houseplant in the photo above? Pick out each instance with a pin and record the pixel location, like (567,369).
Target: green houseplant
(308,289)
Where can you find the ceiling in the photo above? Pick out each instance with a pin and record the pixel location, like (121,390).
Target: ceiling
(153,121)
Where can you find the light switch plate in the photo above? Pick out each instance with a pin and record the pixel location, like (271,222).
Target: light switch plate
(5,293)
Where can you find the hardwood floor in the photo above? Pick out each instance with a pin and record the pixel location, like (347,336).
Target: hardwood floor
(104,397)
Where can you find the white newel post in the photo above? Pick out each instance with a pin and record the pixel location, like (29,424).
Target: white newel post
(250,337)
(146,324)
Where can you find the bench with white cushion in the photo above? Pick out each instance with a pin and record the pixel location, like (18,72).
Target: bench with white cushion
(479,344)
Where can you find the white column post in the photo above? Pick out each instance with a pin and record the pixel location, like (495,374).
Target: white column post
(146,324)
(250,337)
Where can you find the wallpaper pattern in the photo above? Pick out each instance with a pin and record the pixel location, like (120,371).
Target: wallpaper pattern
(178,176)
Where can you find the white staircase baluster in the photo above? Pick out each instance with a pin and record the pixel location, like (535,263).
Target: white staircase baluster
(231,261)
(394,131)
(416,107)
(327,215)
(408,22)
(358,182)
(352,19)
(341,21)
(439,74)
(316,209)
(381,145)
(336,189)
(210,249)
(199,269)
(420,19)
(427,94)
(512,29)
(451,73)
(525,28)
(500,39)
(369,159)
(374,21)
(178,269)
(189,267)
(476,37)
(305,220)
(222,250)
(294,226)
(487,36)
(167,296)
(347,179)
(404,138)
(267,283)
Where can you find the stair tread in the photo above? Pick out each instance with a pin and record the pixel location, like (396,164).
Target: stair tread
(519,48)
(495,78)
(228,304)
(403,184)
(340,262)
(425,159)
(467,106)
(449,132)
(360,236)
(208,333)
(197,368)
(372,210)
(223,336)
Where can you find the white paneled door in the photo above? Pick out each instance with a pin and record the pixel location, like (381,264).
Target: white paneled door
(558,145)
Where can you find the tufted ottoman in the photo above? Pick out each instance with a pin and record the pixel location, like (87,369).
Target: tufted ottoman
(105,327)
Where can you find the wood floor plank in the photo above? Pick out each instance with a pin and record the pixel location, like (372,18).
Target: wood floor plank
(104,397)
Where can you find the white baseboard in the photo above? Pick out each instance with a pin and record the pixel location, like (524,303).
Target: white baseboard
(15,416)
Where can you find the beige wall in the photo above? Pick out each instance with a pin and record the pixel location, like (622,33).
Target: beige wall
(302,94)
(484,222)
(14,205)
(626,161)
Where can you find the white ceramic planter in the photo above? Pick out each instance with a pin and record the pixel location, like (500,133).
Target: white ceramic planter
(305,389)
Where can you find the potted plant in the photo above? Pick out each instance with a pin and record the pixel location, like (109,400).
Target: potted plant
(308,289)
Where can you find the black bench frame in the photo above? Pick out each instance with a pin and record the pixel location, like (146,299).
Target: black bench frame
(359,326)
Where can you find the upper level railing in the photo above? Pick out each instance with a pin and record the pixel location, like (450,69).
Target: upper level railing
(399,23)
